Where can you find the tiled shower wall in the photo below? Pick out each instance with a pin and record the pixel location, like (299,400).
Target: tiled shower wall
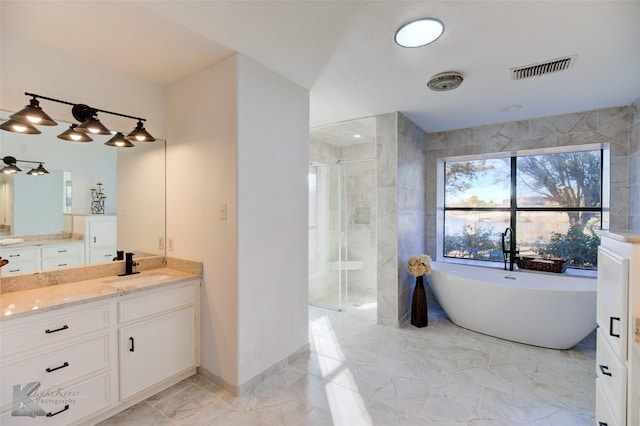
(634,167)
(386,178)
(401,212)
(604,125)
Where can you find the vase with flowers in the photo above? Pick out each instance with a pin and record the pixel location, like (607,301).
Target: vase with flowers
(419,266)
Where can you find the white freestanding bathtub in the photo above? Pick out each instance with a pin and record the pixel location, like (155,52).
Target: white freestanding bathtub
(541,309)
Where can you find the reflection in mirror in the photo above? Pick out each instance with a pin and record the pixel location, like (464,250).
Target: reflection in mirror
(43,207)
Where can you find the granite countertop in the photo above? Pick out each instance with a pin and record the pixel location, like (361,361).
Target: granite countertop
(44,242)
(52,293)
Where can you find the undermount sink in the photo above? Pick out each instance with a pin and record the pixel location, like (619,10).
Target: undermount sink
(137,280)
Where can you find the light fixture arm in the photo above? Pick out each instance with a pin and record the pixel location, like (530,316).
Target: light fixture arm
(94,110)
(9,160)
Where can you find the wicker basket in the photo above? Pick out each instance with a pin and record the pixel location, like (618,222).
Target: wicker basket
(542,264)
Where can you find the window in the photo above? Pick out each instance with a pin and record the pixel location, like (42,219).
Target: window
(553,203)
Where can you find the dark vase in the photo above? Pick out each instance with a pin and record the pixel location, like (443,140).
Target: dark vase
(419,313)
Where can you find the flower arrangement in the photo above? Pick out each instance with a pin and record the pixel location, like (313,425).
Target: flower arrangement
(419,265)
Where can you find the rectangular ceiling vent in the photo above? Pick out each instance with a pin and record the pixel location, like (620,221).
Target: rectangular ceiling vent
(537,70)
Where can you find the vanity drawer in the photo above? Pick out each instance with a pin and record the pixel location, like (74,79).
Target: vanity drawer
(102,254)
(612,308)
(54,369)
(611,377)
(66,250)
(61,262)
(22,260)
(68,405)
(53,328)
(19,267)
(151,304)
(19,254)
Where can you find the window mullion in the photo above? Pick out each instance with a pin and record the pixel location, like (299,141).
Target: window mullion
(514,199)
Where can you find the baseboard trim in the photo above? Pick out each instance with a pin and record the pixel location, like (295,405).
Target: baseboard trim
(245,387)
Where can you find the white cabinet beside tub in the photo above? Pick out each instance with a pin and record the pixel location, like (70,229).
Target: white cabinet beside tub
(617,365)
(104,356)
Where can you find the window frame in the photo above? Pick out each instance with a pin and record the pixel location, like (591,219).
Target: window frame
(513,209)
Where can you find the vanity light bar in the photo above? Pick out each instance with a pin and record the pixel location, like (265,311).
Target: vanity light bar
(12,168)
(23,121)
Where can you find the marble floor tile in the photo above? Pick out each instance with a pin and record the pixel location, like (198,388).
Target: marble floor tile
(359,373)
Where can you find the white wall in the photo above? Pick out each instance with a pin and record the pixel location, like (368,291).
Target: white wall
(238,136)
(273,141)
(201,175)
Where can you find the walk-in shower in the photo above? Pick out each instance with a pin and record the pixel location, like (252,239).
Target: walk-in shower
(342,220)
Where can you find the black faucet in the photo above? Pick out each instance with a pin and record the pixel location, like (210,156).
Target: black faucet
(119,255)
(509,255)
(129,264)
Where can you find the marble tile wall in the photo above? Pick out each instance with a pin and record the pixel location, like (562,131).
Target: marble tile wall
(411,182)
(634,167)
(401,212)
(610,125)
(387,224)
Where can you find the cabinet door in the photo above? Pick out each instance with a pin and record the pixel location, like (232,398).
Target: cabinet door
(103,232)
(155,349)
(613,284)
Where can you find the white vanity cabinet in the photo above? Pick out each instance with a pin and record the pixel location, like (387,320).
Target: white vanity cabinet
(21,260)
(34,258)
(100,236)
(616,366)
(65,360)
(63,255)
(82,364)
(158,336)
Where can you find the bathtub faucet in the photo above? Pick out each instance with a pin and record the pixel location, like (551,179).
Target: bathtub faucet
(509,255)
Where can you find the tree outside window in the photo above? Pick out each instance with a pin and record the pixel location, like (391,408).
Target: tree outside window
(553,202)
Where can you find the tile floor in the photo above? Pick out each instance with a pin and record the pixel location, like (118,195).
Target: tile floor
(359,373)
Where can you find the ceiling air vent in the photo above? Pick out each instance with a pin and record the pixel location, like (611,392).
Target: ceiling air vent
(537,70)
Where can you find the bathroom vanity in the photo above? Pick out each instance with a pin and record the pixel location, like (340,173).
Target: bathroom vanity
(618,351)
(84,350)
(91,240)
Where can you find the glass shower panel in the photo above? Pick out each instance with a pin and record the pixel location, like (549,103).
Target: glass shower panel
(327,236)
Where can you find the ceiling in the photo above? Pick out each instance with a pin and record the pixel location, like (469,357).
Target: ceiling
(344,53)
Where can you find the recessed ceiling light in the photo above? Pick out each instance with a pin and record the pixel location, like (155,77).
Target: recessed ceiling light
(357,136)
(419,32)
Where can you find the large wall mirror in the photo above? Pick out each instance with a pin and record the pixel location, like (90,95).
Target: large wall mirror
(133,180)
